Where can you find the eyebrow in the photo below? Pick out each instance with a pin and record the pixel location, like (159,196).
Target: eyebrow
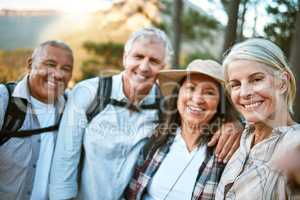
(50,60)
(251,76)
(53,61)
(257,73)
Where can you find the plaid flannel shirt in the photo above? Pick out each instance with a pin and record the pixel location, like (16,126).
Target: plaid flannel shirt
(207,180)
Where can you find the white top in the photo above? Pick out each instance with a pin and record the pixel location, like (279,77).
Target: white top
(179,168)
(46,117)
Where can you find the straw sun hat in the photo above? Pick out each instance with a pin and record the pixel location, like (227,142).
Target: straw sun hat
(169,79)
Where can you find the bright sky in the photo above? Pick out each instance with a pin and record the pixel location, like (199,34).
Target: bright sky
(64,5)
(216,9)
(82,6)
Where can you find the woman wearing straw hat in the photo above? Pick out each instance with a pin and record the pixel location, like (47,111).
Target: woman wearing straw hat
(262,88)
(177,163)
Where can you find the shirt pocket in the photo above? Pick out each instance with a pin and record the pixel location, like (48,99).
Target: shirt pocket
(105,140)
(15,154)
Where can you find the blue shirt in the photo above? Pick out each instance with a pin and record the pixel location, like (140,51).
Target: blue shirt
(111,143)
(21,158)
(46,116)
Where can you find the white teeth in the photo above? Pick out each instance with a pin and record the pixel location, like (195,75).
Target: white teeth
(140,77)
(195,109)
(251,106)
(51,84)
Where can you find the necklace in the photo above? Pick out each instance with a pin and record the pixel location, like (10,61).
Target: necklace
(181,173)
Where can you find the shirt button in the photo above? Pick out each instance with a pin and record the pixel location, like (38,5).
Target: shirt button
(34,166)
(39,140)
(29,193)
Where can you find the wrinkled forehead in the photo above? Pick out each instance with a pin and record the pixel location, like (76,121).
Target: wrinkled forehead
(248,67)
(149,39)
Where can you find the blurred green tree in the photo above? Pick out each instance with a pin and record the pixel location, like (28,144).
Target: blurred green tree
(13,64)
(197,26)
(232,25)
(282,28)
(294,60)
(177,28)
(106,59)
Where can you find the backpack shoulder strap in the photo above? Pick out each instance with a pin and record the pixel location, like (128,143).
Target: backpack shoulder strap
(159,101)
(153,144)
(15,111)
(102,97)
(15,116)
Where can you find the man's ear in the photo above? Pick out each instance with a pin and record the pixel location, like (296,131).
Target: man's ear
(124,59)
(29,64)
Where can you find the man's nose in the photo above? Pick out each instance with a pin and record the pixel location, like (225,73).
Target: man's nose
(145,65)
(57,73)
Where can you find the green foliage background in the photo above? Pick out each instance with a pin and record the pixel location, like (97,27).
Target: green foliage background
(13,64)
(197,26)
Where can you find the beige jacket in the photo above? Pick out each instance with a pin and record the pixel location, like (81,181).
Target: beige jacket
(251,173)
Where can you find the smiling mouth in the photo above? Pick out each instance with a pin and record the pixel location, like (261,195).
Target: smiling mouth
(52,84)
(195,110)
(141,77)
(252,106)
(55,84)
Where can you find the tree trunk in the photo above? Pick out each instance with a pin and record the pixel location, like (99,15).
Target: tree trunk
(231,29)
(295,63)
(178,6)
(240,35)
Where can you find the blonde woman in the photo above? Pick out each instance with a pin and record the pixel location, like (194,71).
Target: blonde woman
(262,88)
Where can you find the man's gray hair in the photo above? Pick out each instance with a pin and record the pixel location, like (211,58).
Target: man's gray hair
(52,43)
(151,32)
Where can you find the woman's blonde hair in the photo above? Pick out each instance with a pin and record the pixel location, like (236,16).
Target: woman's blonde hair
(264,51)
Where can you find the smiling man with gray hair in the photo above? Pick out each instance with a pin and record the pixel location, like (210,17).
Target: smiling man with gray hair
(30,110)
(102,151)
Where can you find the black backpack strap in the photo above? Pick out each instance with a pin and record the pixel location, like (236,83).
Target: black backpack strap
(15,111)
(159,99)
(15,116)
(102,97)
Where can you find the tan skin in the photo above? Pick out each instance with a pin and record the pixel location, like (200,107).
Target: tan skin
(259,96)
(49,73)
(197,103)
(260,82)
(142,64)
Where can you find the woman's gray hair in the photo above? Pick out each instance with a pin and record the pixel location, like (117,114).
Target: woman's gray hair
(148,33)
(263,51)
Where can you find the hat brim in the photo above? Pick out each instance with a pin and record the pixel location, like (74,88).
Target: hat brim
(169,79)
